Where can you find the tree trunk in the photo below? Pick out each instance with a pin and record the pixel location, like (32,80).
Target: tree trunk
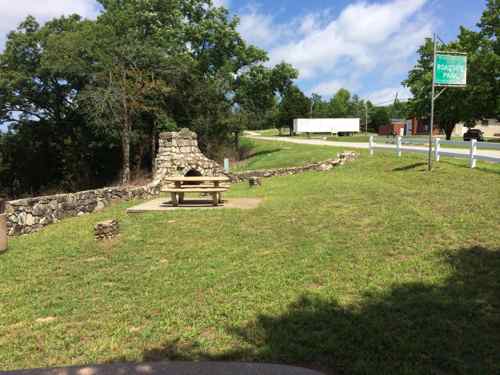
(126,154)
(139,158)
(237,140)
(153,151)
(125,143)
(448,130)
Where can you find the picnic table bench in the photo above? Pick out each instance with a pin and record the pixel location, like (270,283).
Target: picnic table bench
(197,184)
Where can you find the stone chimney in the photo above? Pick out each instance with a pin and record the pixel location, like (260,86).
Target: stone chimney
(179,155)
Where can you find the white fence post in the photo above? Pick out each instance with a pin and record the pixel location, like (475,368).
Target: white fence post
(472,155)
(437,148)
(370,145)
(226,165)
(398,145)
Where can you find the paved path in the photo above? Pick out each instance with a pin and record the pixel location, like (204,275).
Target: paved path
(172,368)
(164,204)
(320,142)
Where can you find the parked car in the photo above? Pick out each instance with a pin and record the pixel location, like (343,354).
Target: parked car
(474,134)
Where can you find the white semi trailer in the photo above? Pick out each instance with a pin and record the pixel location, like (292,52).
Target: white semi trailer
(326,125)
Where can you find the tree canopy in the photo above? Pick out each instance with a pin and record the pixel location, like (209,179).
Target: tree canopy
(481,97)
(85,100)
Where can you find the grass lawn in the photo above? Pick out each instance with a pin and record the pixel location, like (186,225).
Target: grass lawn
(272,154)
(359,138)
(376,267)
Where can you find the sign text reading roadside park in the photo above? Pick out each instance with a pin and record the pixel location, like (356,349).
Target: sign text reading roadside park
(451,70)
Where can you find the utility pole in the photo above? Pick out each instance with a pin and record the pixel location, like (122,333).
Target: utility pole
(431,127)
(366,117)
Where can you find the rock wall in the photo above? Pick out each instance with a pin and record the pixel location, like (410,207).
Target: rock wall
(320,167)
(31,214)
(178,154)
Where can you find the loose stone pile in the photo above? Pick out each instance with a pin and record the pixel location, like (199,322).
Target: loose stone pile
(106,230)
(254,181)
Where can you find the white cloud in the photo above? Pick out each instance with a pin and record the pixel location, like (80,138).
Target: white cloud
(363,38)
(327,88)
(221,3)
(259,28)
(12,12)
(387,95)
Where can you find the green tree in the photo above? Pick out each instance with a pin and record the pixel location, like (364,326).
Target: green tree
(379,117)
(340,104)
(398,109)
(92,94)
(50,142)
(294,104)
(319,107)
(480,99)
(257,89)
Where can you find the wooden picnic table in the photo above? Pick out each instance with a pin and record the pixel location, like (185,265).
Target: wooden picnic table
(196,184)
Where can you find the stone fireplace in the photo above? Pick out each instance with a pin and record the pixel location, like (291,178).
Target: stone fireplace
(179,155)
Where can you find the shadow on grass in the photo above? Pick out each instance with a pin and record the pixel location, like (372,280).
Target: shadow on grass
(263,152)
(409,167)
(491,170)
(413,328)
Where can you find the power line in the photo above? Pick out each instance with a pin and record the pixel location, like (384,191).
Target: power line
(390,101)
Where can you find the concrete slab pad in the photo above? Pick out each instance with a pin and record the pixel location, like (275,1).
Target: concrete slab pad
(172,368)
(163,204)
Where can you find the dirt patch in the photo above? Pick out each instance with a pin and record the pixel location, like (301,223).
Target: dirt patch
(47,319)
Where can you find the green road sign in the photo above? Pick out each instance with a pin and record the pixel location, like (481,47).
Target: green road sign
(451,70)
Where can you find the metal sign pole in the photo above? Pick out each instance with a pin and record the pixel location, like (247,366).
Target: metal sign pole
(366,118)
(451,73)
(431,127)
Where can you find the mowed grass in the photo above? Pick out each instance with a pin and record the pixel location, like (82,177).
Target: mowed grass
(376,267)
(273,154)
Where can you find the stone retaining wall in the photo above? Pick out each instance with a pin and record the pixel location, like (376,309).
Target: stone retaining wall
(31,214)
(321,167)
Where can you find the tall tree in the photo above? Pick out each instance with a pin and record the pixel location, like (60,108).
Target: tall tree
(294,104)
(39,84)
(379,117)
(140,66)
(319,107)
(256,91)
(340,104)
(480,99)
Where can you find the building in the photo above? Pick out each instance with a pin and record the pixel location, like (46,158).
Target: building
(490,128)
(396,127)
(409,127)
(414,126)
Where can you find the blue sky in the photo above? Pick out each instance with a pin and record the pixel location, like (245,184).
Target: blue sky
(366,46)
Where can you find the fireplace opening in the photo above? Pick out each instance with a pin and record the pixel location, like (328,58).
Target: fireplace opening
(192,173)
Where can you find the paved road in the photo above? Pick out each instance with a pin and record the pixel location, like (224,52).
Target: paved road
(171,368)
(320,142)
